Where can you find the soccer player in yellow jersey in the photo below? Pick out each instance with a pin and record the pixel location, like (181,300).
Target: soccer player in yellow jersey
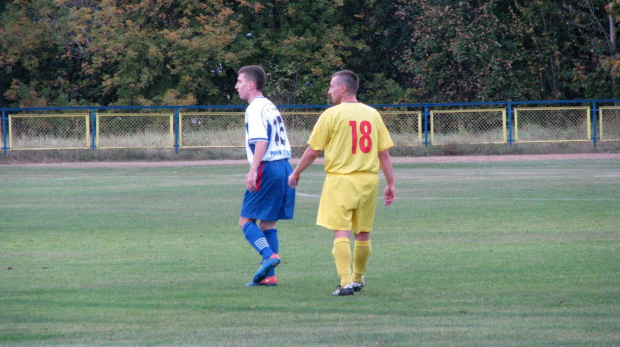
(356,143)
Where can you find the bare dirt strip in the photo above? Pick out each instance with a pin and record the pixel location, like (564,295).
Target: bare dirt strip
(410,160)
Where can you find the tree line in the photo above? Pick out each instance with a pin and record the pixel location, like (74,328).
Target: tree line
(187,52)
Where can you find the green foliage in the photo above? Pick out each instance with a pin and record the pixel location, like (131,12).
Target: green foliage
(459,53)
(70,52)
(300,44)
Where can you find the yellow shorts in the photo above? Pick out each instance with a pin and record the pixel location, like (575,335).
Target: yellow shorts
(348,202)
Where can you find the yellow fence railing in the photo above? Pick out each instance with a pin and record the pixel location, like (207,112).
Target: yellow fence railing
(211,129)
(134,130)
(475,126)
(609,123)
(552,124)
(48,131)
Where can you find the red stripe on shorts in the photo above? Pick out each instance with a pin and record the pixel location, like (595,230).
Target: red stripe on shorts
(259,176)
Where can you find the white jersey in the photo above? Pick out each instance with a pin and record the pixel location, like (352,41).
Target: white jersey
(263,122)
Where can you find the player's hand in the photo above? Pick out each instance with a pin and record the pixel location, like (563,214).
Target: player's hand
(250,181)
(293,180)
(389,195)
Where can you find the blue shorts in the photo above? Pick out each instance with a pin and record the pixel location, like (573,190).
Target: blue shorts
(274,199)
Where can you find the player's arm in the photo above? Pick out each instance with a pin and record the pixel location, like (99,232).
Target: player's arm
(306,160)
(260,147)
(389,194)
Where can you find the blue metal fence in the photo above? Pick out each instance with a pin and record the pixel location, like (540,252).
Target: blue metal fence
(424,108)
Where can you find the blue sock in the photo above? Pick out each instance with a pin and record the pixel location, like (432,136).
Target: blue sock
(257,239)
(272,238)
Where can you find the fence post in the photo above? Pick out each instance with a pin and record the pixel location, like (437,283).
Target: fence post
(594,123)
(93,129)
(4,134)
(176,130)
(426,120)
(511,138)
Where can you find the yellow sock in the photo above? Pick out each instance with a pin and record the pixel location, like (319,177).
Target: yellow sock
(342,256)
(361,254)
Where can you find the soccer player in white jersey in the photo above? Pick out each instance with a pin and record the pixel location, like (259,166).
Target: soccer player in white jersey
(356,143)
(268,197)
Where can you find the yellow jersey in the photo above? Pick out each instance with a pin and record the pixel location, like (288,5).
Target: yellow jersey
(351,136)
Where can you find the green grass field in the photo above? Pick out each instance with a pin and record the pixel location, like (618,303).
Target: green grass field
(470,254)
